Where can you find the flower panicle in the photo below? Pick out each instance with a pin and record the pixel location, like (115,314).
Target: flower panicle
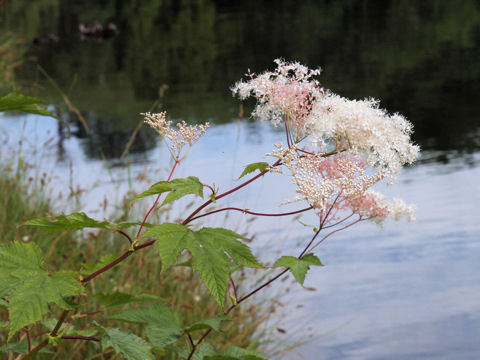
(352,144)
(178,138)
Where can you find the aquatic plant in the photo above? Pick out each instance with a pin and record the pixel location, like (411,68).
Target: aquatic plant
(336,151)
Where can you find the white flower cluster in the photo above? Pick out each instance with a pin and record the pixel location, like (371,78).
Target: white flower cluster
(362,126)
(175,139)
(346,140)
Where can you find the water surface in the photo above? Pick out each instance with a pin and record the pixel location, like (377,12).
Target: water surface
(411,291)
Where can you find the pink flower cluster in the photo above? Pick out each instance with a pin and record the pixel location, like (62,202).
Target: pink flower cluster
(350,144)
(290,91)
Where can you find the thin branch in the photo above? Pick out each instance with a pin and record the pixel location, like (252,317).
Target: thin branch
(285,121)
(53,333)
(339,222)
(196,211)
(210,188)
(120,231)
(191,340)
(310,243)
(158,197)
(108,266)
(245,211)
(234,288)
(28,339)
(333,232)
(87,338)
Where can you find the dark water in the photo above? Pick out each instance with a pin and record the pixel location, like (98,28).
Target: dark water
(411,291)
(419,58)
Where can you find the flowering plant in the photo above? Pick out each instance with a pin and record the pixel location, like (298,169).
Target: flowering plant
(336,150)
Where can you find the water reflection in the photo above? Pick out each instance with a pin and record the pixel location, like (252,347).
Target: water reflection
(409,292)
(419,58)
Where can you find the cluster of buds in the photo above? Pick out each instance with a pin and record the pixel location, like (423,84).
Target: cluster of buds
(176,139)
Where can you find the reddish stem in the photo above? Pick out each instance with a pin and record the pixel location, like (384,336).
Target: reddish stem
(209,187)
(158,198)
(339,222)
(286,129)
(28,339)
(88,338)
(245,211)
(234,288)
(191,340)
(333,232)
(189,218)
(108,266)
(124,234)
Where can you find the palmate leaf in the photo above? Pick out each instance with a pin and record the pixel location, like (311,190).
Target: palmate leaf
(209,248)
(156,314)
(164,326)
(18,102)
(75,221)
(177,188)
(29,288)
(130,345)
(18,261)
(298,267)
(260,166)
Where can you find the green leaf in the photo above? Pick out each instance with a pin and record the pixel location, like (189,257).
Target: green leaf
(21,347)
(75,221)
(67,328)
(130,345)
(171,240)
(213,323)
(260,166)
(227,240)
(29,301)
(19,102)
(177,188)
(164,326)
(157,314)
(119,298)
(237,353)
(161,336)
(298,267)
(205,351)
(241,353)
(209,248)
(3,303)
(18,261)
(30,289)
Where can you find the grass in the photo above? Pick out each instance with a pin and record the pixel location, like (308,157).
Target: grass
(23,198)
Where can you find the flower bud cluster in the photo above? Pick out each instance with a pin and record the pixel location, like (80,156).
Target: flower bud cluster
(175,139)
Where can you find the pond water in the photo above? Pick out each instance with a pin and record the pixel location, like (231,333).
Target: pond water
(411,291)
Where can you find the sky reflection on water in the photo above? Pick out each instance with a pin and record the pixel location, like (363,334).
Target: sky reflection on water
(410,291)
